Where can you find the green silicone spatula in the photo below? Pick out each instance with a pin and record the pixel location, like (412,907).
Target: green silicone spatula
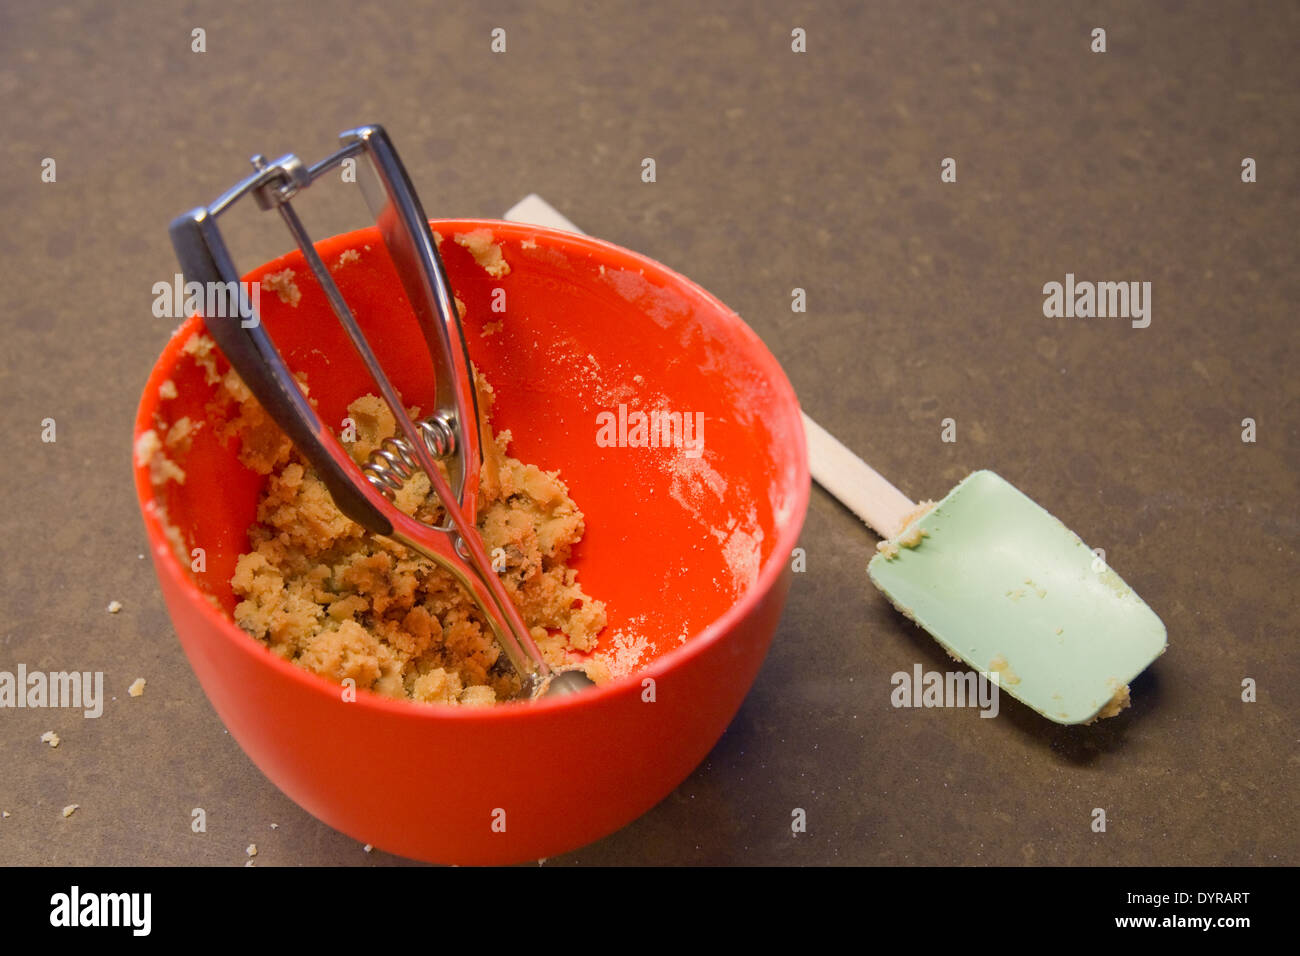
(1002,585)
(998,581)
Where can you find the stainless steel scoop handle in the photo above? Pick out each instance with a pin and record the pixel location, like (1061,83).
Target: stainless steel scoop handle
(404,229)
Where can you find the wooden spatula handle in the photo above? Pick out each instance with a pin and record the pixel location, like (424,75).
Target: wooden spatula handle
(861,488)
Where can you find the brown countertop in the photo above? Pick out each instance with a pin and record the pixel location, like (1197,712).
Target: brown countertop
(775,170)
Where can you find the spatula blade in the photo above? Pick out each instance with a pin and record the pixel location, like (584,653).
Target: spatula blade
(1007,588)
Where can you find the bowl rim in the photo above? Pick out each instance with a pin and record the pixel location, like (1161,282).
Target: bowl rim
(168,565)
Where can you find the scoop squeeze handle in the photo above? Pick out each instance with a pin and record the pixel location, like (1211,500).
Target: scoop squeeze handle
(251,353)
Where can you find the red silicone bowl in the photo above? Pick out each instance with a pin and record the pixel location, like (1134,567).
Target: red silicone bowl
(691,555)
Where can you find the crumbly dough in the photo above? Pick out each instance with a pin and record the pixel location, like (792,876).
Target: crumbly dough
(485,252)
(283,285)
(1002,668)
(149,451)
(322,592)
(137,687)
(921,509)
(912,539)
(1113,706)
(203,350)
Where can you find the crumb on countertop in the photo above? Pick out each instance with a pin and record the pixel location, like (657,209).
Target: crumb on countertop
(51,738)
(137,687)
(114,607)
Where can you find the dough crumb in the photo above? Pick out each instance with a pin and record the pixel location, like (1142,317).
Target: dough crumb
(167,390)
(283,285)
(1117,703)
(181,434)
(149,451)
(70,809)
(275,826)
(913,538)
(907,538)
(202,349)
(114,607)
(921,509)
(346,256)
(137,687)
(252,849)
(485,252)
(51,738)
(368,848)
(1003,669)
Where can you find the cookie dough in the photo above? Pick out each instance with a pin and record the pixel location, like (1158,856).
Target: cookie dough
(322,592)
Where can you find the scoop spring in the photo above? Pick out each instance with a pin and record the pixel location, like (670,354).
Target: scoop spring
(394,462)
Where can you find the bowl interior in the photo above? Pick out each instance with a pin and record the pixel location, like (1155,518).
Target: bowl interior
(590,336)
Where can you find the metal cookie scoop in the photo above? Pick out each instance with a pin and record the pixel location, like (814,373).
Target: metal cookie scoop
(451,434)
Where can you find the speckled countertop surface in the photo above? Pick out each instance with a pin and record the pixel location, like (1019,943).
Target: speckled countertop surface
(775,170)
